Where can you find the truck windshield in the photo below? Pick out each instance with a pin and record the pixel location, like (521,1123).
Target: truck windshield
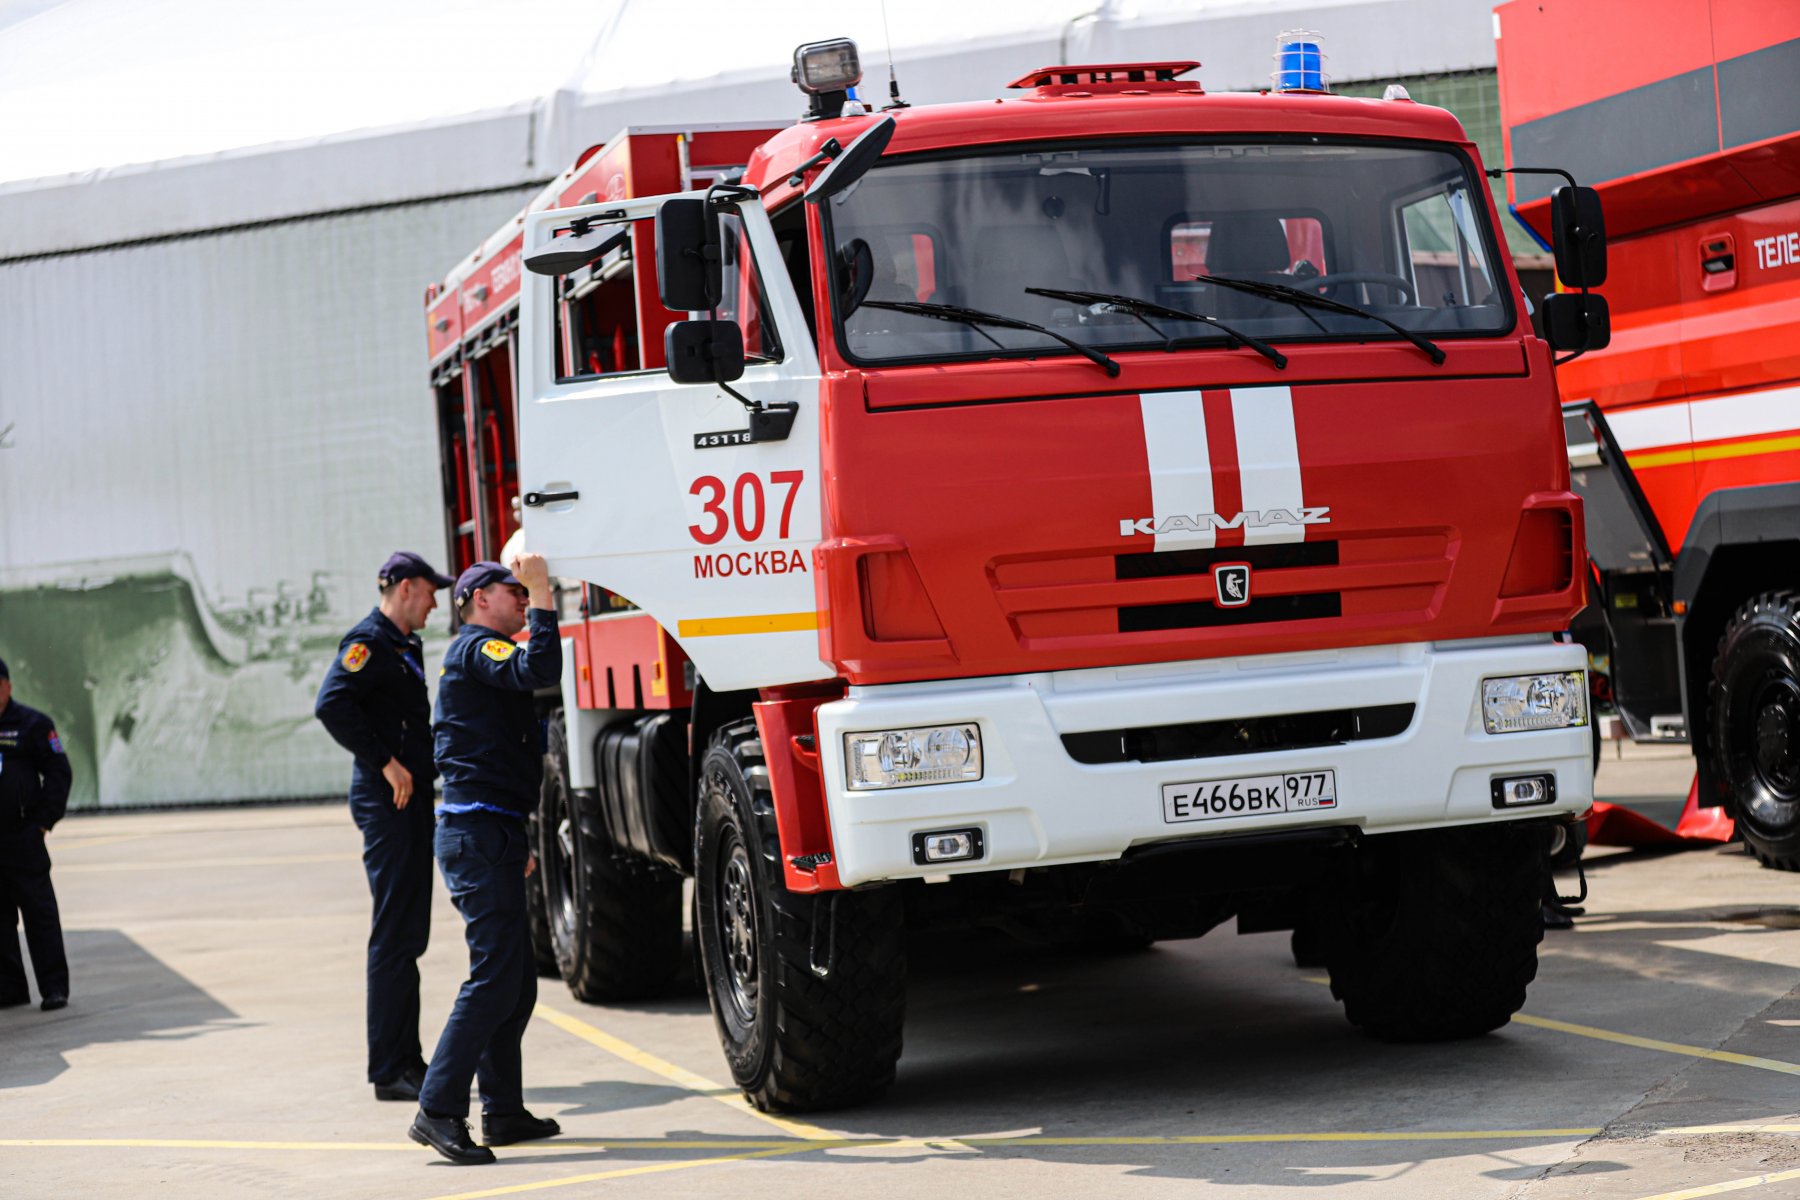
(1398,231)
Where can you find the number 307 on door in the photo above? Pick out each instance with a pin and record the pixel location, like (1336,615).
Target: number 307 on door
(1252,795)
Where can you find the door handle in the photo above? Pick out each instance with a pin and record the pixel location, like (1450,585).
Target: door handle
(538,499)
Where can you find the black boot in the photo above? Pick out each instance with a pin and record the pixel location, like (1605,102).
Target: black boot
(509,1128)
(449,1136)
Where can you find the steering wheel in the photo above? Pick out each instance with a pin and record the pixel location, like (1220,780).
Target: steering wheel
(1327,284)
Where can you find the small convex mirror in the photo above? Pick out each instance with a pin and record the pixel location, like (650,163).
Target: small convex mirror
(1577,321)
(704,351)
(687,255)
(572,251)
(1578,234)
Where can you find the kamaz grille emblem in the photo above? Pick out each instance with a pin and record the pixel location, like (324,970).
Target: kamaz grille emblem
(1232,583)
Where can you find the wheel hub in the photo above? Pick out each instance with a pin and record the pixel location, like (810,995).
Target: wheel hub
(737,931)
(1777,751)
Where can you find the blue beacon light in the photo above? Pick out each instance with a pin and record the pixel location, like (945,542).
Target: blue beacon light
(1300,62)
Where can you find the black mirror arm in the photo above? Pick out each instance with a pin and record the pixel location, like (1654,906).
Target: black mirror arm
(1497,172)
(830,150)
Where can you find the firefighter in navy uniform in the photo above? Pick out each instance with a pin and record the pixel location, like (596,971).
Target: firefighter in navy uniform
(490,753)
(34,794)
(374,703)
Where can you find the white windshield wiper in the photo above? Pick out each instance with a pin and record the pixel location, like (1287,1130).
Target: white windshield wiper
(1142,309)
(975,318)
(1298,298)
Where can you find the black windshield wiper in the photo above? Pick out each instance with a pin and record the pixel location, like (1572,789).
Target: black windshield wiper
(975,318)
(1142,309)
(1297,297)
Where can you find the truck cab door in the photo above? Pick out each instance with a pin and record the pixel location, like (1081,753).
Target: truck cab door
(651,488)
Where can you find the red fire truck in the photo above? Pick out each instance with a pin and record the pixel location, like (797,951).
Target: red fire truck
(1684,433)
(1107,513)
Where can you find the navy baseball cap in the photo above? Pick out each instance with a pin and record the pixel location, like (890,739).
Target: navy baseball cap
(479,576)
(4,673)
(404,564)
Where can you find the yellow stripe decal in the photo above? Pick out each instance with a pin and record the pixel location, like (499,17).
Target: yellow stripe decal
(1671,458)
(766,623)
(680,1076)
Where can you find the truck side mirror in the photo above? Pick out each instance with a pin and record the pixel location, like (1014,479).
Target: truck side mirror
(687,256)
(704,351)
(1577,322)
(1578,232)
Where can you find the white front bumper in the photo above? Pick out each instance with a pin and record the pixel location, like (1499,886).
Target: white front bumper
(1037,806)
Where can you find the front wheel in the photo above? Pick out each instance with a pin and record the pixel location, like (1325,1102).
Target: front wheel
(1438,937)
(808,991)
(1754,724)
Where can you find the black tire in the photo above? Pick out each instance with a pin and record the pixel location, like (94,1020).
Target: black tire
(1754,725)
(543,950)
(614,918)
(796,1040)
(1307,945)
(1439,938)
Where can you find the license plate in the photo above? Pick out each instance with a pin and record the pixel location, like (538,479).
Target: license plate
(1249,796)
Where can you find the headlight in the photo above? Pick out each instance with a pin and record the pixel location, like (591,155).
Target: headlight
(1521,702)
(897,758)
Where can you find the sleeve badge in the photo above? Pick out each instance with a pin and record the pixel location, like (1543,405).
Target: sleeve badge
(356,657)
(498,650)
(55,743)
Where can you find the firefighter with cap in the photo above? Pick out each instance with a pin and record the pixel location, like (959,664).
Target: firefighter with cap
(34,794)
(374,703)
(489,744)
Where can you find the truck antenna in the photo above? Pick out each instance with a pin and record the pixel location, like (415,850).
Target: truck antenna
(894,100)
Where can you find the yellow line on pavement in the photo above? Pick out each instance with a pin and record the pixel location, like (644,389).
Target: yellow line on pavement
(1626,1039)
(1642,1043)
(199,1144)
(651,1169)
(1730,1185)
(680,1076)
(207,864)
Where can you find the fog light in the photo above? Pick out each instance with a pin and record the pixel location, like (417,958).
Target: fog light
(897,758)
(1519,791)
(1518,703)
(946,845)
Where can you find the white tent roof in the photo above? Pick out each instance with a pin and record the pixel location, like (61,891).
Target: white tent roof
(132,119)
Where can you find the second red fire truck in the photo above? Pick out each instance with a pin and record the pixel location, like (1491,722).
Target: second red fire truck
(1685,432)
(1112,511)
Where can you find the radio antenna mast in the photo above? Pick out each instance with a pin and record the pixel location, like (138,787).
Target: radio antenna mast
(894,100)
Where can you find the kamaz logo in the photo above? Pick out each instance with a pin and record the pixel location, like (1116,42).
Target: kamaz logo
(1204,522)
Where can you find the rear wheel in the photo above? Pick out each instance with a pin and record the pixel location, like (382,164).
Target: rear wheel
(808,991)
(543,949)
(614,918)
(1439,937)
(1754,724)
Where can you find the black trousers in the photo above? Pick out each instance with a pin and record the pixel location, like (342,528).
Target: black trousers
(397,859)
(25,891)
(483,855)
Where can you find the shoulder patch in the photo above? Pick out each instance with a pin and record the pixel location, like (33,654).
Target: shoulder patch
(498,650)
(356,657)
(55,743)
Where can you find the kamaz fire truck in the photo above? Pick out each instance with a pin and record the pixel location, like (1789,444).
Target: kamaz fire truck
(1107,512)
(1684,434)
